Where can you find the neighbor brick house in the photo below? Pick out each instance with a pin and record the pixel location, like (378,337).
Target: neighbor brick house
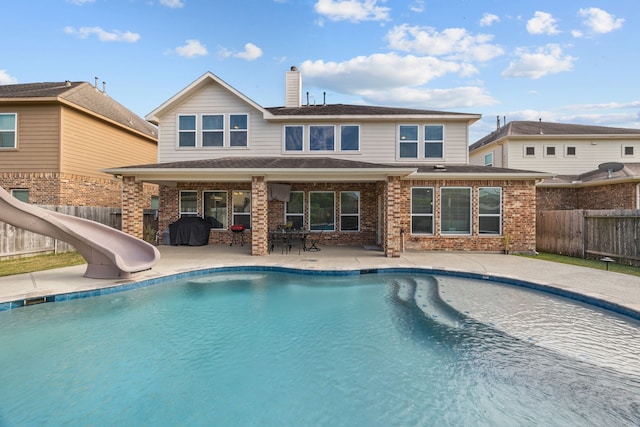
(573,153)
(56,137)
(361,175)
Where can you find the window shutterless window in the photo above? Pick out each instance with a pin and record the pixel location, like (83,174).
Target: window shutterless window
(529,151)
(212,130)
(20,194)
(433,141)
(490,210)
(242,208)
(488,159)
(8,130)
(550,151)
(570,151)
(322,138)
(294,210)
(455,210)
(408,141)
(215,208)
(238,136)
(187,131)
(421,210)
(350,138)
(322,210)
(188,203)
(627,150)
(293,139)
(349,211)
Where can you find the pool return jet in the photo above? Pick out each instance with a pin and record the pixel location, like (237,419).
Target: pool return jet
(110,253)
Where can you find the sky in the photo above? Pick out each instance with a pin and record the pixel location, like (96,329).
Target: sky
(569,61)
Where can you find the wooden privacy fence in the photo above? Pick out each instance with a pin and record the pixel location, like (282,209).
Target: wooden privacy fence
(591,234)
(15,242)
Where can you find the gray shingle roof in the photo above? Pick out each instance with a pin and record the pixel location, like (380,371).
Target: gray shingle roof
(82,94)
(525,128)
(346,109)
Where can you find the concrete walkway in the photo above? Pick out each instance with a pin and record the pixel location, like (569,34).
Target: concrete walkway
(613,288)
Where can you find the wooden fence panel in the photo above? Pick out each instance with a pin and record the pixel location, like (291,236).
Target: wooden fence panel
(560,232)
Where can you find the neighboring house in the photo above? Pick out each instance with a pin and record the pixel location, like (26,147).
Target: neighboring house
(361,175)
(56,137)
(572,153)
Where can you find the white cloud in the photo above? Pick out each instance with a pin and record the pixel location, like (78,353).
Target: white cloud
(377,72)
(453,43)
(600,21)
(488,19)
(6,79)
(542,23)
(534,65)
(251,52)
(352,10)
(103,35)
(80,2)
(424,98)
(191,49)
(417,6)
(174,4)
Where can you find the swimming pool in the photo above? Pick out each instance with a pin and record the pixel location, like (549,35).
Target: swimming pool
(281,348)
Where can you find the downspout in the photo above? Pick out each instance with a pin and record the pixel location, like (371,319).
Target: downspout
(637,196)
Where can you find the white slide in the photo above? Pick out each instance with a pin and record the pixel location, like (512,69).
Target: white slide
(110,253)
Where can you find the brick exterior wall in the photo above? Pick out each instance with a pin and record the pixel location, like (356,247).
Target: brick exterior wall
(132,207)
(613,196)
(518,199)
(71,190)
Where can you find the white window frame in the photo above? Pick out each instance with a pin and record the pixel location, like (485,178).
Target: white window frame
(202,131)
(488,159)
(335,139)
(193,131)
(288,215)
(490,215)
(524,151)
(182,211)
(432,141)
(469,207)
(332,220)
(238,130)
(14,130)
(624,151)
(566,151)
(225,225)
(342,149)
(422,214)
(546,151)
(401,141)
(284,138)
(350,214)
(244,212)
(19,193)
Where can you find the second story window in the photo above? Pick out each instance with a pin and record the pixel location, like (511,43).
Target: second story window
(212,130)
(349,138)
(8,131)
(550,151)
(187,131)
(293,138)
(238,130)
(408,141)
(322,138)
(433,141)
(488,159)
(570,151)
(529,151)
(627,150)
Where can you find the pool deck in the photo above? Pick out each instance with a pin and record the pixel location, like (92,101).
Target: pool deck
(617,289)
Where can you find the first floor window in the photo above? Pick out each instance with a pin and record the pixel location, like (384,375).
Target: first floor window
(455,210)
(321,210)
(422,210)
(294,210)
(188,203)
(238,130)
(350,138)
(489,210)
(215,209)
(321,138)
(242,208)
(8,131)
(433,141)
(155,202)
(349,211)
(408,144)
(21,194)
(187,131)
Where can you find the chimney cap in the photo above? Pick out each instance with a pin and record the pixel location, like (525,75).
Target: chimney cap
(294,68)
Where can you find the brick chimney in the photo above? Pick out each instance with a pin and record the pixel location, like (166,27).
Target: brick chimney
(293,89)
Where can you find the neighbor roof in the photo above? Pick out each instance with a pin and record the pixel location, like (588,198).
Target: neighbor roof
(531,128)
(81,94)
(627,172)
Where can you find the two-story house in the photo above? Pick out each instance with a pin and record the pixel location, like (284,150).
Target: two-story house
(361,175)
(56,137)
(594,167)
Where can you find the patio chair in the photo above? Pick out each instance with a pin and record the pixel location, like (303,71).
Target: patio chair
(313,240)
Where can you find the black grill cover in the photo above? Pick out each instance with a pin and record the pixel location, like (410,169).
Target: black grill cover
(190,231)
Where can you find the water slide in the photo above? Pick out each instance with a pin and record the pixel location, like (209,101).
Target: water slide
(110,253)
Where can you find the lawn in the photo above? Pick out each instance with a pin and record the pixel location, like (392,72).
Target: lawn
(589,263)
(39,263)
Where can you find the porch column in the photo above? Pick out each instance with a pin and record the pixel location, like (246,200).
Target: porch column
(132,206)
(259,216)
(392,212)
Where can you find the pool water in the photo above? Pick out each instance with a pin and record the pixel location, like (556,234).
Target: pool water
(281,349)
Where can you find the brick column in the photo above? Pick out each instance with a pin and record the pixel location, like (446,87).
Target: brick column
(392,215)
(132,206)
(259,216)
